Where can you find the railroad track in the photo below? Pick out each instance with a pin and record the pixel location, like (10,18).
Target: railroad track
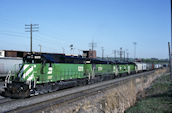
(4,100)
(39,102)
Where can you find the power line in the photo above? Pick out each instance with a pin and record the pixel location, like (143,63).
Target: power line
(42,38)
(14,35)
(47,47)
(14,32)
(50,37)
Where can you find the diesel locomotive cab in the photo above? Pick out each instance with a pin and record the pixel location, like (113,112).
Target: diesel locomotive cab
(32,58)
(24,81)
(26,73)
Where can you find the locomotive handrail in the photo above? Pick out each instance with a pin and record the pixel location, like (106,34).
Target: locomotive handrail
(7,79)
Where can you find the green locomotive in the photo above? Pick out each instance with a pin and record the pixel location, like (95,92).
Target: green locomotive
(42,73)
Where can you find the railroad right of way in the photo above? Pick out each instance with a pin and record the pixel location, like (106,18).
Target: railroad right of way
(36,103)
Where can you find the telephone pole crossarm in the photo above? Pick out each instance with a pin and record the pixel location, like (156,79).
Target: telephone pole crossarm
(31,28)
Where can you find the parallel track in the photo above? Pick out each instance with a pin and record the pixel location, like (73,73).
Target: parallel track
(60,97)
(4,100)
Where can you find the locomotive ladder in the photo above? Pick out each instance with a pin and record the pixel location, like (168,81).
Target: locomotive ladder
(7,79)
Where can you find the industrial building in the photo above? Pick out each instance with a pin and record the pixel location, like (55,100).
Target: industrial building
(89,54)
(12,53)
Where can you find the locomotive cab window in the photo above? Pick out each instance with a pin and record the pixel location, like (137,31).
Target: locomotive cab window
(32,59)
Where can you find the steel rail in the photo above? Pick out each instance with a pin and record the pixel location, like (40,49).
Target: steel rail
(60,97)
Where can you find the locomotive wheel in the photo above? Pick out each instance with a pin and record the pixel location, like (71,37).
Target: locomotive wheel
(23,94)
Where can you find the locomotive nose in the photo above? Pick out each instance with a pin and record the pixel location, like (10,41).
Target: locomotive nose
(17,90)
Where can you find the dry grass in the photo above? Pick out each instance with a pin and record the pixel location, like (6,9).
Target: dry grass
(158,98)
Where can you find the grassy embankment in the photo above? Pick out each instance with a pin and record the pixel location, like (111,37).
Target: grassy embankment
(158,98)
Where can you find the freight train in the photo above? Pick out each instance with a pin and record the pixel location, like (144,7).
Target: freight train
(43,73)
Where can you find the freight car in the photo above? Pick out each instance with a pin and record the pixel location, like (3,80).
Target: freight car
(9,64)
(157,66)
(140,66)
(149,66)
(42,73)
(144,66)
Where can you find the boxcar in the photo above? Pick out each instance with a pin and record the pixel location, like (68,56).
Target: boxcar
(139,67)
(144,65)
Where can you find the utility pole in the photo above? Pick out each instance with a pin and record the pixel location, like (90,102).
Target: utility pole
(135,43)
(120,53)
(31,28)
(93,45)
(114,55)
(126,52)
(169,51)
(171,44)
(124,55)
(102,53)
(40,47)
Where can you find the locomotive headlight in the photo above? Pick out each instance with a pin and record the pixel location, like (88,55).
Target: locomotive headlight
(21,88)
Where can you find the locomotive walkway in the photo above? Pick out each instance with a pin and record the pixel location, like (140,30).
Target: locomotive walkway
(39,102)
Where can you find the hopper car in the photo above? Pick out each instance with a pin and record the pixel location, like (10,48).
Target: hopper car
(9,64)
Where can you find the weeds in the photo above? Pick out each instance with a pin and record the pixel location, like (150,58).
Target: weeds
(158,98)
